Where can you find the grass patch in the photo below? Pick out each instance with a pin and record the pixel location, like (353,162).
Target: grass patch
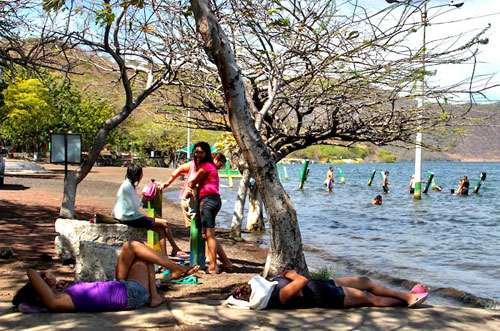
(323,273)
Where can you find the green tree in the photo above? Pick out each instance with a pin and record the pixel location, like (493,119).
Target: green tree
(386,156)
(30,115)
(34,107)
(77,113)
(155,133)
(3,109)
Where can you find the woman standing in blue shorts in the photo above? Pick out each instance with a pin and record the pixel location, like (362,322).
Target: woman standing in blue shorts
(206,181)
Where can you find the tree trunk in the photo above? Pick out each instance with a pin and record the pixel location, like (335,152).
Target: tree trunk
(286,244)
(255,218)
(239,206)
(69,195)
(75,177)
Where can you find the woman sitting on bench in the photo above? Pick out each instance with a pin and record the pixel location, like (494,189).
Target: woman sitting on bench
(126,209)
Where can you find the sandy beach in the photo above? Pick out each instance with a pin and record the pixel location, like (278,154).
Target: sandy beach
(29,206)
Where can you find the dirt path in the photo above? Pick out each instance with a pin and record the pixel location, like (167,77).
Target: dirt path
(29,207)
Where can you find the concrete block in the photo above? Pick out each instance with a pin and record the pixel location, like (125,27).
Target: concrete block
(71,232)
(96,261)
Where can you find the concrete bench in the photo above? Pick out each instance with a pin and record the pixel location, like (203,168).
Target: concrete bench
(93,247)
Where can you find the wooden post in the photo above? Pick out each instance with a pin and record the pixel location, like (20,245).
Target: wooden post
(303,174)
(481,180)
(341,175)
(430,177)
(197,245)
(154,210)
(370,181)
(229,177)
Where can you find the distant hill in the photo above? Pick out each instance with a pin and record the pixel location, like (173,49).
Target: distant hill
(481,142)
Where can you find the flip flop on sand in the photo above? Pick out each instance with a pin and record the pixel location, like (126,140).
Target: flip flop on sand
(419,288)
(188,280)
(420,300)
(191,271)
(180,255)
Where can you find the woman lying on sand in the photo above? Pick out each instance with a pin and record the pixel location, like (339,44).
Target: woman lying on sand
(290,290)
(135,285)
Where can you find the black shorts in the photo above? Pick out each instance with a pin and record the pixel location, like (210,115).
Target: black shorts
(209,208)
(144,222)
(336,295)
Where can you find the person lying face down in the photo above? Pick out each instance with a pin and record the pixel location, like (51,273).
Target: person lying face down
(135,285)
(291,290)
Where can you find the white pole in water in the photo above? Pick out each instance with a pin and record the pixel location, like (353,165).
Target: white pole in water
(418,138)
(189,136)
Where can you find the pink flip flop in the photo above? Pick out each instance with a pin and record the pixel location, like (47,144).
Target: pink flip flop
(419,288)
(181,255)
(419,301)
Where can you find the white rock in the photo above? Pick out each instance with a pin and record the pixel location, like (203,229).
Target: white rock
(96,261)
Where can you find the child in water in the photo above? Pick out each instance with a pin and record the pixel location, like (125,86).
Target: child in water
(377,200)
(385,182)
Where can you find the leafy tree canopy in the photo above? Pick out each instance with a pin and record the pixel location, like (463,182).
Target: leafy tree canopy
(29,113)
(37,104)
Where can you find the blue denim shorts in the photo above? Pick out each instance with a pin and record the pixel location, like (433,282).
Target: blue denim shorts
(209,208)
(138,295)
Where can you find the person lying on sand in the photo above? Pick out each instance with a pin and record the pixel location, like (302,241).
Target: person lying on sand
(133,288)
(290,290)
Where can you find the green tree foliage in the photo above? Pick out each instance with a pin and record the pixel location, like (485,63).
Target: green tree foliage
(226,143)
(155,133)
(33,107)
(3,110)
(77,113)
(386,156)
(30,115)
(330,153)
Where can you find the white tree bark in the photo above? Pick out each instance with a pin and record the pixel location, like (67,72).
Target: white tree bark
(239,206)
(286,243)
(255,218)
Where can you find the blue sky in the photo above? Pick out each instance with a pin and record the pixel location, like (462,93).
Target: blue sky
(472,17)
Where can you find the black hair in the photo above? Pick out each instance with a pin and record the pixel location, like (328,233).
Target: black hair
(27,294)
(243,292)
(208,153)
(134,173)
(219,156)
(386,172)
(378,197)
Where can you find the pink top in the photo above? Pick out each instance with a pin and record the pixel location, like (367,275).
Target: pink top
(191,174)
(211,183)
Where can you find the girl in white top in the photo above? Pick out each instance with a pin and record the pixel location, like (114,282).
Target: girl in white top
(126,209)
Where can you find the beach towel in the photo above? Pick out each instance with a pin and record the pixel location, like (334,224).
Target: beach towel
(261,293)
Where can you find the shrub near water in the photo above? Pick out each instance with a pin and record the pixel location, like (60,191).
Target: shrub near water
(323,274)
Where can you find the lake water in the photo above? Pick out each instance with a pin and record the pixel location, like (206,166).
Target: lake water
(445,241)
